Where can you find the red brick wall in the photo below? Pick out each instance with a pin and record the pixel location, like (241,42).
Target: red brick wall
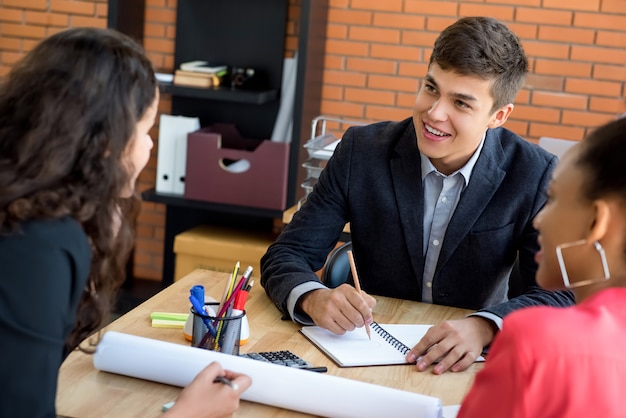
(23,23)
(377,51)
(159,34)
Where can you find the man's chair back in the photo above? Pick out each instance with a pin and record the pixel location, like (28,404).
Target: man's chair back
(556,146)
(337,267)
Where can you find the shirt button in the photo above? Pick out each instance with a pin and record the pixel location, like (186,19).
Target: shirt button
(436,242)
(444,199)
(429,284)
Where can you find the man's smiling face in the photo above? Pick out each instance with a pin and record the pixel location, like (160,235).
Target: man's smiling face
(451,114)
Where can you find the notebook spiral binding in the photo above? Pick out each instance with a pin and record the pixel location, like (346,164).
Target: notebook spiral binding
(397,344)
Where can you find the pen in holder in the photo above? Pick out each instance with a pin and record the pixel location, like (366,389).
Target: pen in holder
(245,329)
(225,334)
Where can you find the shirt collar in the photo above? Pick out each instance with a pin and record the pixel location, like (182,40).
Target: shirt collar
(466,170)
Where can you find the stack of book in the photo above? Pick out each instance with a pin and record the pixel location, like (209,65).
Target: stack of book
(200,74)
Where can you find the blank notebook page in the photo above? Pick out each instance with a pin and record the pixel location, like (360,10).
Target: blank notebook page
(355,349)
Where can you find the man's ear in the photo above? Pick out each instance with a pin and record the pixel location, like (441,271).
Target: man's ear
(500,116)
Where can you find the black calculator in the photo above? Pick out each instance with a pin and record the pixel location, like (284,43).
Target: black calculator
(283,358)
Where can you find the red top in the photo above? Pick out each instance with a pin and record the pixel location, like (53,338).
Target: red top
(556,362)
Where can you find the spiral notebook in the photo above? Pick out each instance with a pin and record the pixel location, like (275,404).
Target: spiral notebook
(389,345)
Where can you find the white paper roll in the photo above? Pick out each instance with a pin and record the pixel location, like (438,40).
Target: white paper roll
(281,386)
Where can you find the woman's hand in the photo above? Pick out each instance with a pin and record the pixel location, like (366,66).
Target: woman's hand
(204,398)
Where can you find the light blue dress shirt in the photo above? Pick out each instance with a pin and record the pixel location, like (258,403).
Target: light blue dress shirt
(441,196)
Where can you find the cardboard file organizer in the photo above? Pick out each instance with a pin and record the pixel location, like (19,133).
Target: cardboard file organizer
(217,248)
(224,167)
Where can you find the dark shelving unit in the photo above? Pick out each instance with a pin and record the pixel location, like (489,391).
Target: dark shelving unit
(241,33)
(127,16)
(221,94)
(176,200)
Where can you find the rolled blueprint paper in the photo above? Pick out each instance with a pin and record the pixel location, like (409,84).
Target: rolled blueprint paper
(276,385)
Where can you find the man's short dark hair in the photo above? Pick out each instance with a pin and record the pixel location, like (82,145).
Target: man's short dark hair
(483,47)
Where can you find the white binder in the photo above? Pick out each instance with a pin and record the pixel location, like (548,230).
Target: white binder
(172,155)
(284,118)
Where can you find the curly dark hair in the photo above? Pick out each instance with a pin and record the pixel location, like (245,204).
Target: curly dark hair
(483,47)
(68,110)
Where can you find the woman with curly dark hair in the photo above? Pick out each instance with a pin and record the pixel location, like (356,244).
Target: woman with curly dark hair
(74,120)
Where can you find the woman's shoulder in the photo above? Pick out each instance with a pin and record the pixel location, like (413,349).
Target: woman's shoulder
(50,230)
(48,260)
(610,302)
(64,234)
(537,326)
(542,326)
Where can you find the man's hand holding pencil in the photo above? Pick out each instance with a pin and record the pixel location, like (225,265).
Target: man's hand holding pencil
(341,309)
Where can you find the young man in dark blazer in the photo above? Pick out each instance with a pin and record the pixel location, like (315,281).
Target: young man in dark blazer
(440,206)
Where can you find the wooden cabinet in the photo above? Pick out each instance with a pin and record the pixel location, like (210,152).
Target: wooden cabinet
(242,33)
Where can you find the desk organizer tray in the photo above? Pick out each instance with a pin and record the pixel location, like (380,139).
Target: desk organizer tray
(322,146)
(314,167)
(308,185)
(224,167)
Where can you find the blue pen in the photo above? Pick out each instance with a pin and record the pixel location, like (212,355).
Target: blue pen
(199,308)
(198,292)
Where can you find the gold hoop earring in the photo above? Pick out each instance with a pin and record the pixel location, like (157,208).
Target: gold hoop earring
(566,280)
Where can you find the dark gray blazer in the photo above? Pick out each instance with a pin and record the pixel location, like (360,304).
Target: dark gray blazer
(374,182)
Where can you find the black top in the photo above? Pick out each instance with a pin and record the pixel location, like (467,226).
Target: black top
(44,269)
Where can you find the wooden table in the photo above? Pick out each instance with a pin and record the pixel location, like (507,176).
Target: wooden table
(84,391)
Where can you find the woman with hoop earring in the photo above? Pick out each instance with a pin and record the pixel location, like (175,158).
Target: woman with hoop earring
(569,362)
